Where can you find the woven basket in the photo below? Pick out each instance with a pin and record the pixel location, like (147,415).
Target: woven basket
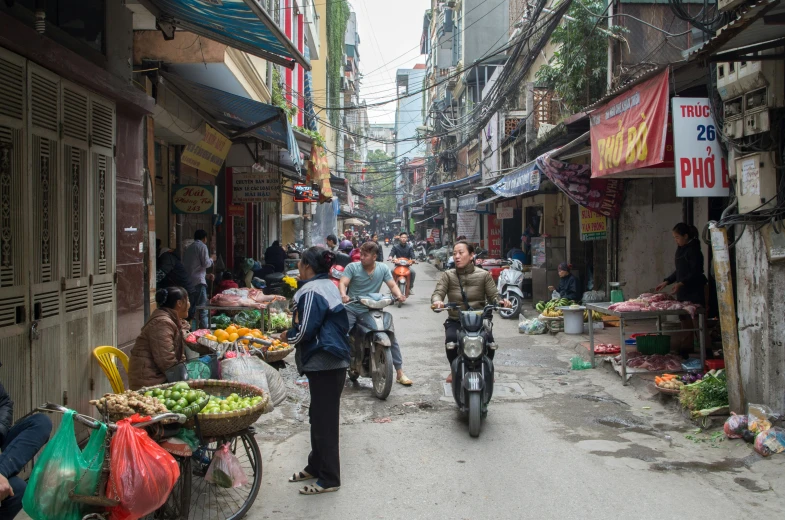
(271,356)
(227,423)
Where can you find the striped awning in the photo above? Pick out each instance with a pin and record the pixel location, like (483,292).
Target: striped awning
(242,24)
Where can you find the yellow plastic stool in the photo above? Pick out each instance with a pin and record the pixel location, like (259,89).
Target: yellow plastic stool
(107,358)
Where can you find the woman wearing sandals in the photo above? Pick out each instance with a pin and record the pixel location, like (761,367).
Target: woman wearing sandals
(319,330)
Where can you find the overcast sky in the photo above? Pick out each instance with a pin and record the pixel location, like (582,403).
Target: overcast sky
(390,33)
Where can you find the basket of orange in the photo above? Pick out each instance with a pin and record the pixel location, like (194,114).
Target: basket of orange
(277,351)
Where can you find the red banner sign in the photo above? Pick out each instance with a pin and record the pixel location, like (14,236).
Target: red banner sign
(494,237)
(628,133)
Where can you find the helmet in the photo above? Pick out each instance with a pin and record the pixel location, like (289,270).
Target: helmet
(516,265)
(345,246)
(336,272)
(355,255)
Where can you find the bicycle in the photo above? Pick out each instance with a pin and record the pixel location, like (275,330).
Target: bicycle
(192,496)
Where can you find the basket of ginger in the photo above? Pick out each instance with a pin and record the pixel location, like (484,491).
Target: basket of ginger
(668,384)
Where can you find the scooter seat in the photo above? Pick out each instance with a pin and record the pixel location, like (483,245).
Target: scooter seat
(274,278)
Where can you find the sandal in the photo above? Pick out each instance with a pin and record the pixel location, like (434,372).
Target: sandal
(299,477)
(316,489)
(405,381)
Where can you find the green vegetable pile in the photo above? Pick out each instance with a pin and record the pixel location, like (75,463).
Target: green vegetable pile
(250,319)
(221,321)
(280,322)
(709,392)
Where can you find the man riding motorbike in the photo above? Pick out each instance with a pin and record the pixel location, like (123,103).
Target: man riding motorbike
(404,250)
(366,277)
(469,280)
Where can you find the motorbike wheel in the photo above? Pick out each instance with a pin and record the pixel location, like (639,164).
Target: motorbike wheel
(402,287)
(383,375)
(514,311)
(475,413)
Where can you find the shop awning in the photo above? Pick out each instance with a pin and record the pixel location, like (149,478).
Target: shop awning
(242,24)
(523,180)
(575,148)
(456,184)
(236,116)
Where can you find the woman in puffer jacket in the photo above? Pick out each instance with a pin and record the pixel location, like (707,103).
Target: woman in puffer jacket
(161,344)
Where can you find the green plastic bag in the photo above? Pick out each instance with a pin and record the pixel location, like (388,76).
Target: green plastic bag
(221,321)
(62,468)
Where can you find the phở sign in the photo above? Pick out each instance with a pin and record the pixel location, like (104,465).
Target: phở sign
(701,168)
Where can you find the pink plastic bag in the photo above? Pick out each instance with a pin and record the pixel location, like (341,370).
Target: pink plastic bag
(735,426)
(225,470)
(141,475)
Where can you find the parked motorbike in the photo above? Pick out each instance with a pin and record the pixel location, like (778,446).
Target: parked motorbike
(510,286)
(294,251)
(441,257)
(273,283)
(472,370)
(370,340)
(402,275)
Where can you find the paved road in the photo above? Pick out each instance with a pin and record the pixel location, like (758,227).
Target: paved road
(556,444)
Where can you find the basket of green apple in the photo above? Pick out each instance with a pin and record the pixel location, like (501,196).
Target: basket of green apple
(179,398)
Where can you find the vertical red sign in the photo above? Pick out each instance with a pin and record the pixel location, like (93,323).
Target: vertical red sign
(494,237)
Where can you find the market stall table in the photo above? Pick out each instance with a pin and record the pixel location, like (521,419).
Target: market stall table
(209,308)
(643,316)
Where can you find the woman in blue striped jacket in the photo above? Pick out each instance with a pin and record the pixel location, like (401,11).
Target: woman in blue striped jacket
(319,333)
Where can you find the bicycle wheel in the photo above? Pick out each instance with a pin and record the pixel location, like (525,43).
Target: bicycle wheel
(211,502)
(178,504)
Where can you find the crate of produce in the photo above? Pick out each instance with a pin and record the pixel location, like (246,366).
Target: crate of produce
(715,364)
(650,344)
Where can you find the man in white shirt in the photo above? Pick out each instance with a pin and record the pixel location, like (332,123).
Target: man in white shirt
(197,260)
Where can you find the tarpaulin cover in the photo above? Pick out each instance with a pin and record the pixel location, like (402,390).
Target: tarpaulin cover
(603,196)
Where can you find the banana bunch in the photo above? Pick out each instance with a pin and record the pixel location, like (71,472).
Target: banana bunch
(596,316)
(550,309)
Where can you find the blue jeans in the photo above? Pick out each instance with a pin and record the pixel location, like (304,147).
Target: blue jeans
(199,297)
(395,349)
(23,441)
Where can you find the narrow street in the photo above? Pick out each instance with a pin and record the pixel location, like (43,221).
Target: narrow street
(556,443)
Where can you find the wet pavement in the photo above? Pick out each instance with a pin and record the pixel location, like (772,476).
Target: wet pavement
(556,443)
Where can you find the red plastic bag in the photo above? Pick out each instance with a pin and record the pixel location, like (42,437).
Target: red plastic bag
(735,426)
(225,470)
(142,474)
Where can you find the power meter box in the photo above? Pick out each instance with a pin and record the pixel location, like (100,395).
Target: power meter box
(756,181)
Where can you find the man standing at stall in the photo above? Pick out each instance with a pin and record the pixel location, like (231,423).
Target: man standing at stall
(197,259)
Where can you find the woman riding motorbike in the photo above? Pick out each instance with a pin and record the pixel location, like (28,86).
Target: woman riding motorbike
(466,284)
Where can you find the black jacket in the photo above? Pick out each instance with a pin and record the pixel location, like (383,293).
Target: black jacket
(569,288)
(689,271)
(401,251)
(379,253)
(276,257)
(171,272)
(6,413)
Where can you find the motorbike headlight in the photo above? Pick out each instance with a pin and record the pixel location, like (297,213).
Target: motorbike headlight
(472,347)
